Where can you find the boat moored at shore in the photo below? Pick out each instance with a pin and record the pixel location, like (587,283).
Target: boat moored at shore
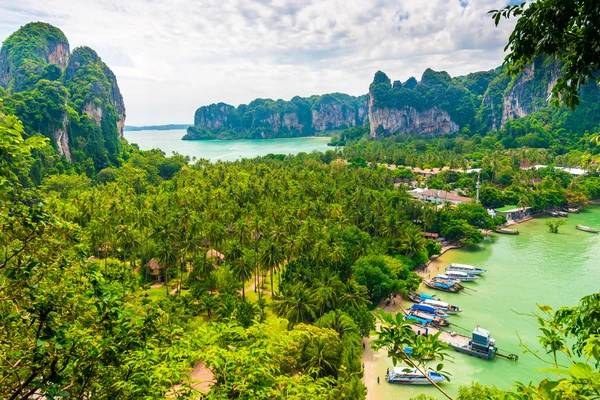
(442,305)
(461,276)
(444,286)
(587,229)
(412,376)
(427,309)
(469,269)
(506,231)
(419,297)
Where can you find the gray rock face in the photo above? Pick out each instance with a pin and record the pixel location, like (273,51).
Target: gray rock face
(408,120)
(331,116)
(265,118)
(61,138)
(529,91)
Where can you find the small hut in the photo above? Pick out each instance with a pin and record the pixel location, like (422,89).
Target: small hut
(154,268)
(212,253)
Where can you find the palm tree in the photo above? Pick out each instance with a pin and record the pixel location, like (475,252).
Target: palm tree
(325,292)
(322,359)
(209,304)
(270,258)
(295,305)
(412,240)
(339,322)
(235,257)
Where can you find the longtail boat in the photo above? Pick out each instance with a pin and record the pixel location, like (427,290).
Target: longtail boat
(444,286)
(587,229)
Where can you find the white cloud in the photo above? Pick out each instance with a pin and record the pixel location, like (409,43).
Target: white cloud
(171,57)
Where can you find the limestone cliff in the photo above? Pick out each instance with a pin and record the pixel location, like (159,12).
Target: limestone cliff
(385,121)
(36,62)
(424,108)
(266,118)
(94,88)
(530,90)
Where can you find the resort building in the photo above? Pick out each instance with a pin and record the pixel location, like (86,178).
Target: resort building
(513,213)
(439,196)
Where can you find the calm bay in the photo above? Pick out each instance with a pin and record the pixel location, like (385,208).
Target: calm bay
(224,150)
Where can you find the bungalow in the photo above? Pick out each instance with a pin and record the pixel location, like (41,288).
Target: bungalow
(439,196)
(153,269)
(514,213)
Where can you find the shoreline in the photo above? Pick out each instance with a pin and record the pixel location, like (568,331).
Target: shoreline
(368,357)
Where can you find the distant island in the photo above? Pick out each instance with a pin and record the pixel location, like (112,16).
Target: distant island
(169,127)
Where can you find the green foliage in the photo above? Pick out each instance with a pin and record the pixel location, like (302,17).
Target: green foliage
(564,30)
(476,391)
(554,224)
(26,54)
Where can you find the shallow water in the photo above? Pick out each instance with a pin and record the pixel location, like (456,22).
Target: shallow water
(533,267)
(224,150)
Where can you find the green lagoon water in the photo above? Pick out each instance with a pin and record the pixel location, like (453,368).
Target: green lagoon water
(224,150)
(533,267)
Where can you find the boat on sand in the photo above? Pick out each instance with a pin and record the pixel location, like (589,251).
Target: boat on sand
(412,376)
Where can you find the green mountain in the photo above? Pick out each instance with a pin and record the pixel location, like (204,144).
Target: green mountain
(266,118)
(437,104)
(71,98)
(476,103)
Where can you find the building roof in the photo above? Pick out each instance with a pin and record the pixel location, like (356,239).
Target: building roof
(508,209)
(212,253)
(431,235)
(153,264)
(440,195)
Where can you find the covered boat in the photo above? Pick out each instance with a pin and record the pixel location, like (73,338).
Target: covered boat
(587,229)
(461,276)
(444,286)
(445,278)
(421,318)
(427,309)
(419,297)
(412,376)
(469,269)
(442,305)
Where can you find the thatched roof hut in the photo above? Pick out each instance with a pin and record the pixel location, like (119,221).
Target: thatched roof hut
(212,253)
(154,266)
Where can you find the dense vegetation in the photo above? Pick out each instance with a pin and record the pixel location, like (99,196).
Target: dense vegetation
(266,118)
(484,102)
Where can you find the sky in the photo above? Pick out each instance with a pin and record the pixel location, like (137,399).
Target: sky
(171,57)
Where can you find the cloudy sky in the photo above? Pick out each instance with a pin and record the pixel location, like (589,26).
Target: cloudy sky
(171,57)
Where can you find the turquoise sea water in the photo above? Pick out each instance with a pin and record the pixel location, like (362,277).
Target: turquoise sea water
(535,267)
(224,150)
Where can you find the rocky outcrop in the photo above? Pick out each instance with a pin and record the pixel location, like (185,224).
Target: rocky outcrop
(61,138)
(422,108)
(386,121)
(265,118)
(100,99)
(529,91)
(332,115)
(26,54)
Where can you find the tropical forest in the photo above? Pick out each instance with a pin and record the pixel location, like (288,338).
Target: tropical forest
(129,273)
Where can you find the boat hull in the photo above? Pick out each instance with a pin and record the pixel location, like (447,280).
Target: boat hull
(507,231)
(586,229)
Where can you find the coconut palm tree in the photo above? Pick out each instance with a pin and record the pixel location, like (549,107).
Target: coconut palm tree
(295,305)
(270,257)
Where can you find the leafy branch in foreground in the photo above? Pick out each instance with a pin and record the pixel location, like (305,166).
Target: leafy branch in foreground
(566,30)
(395,335)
